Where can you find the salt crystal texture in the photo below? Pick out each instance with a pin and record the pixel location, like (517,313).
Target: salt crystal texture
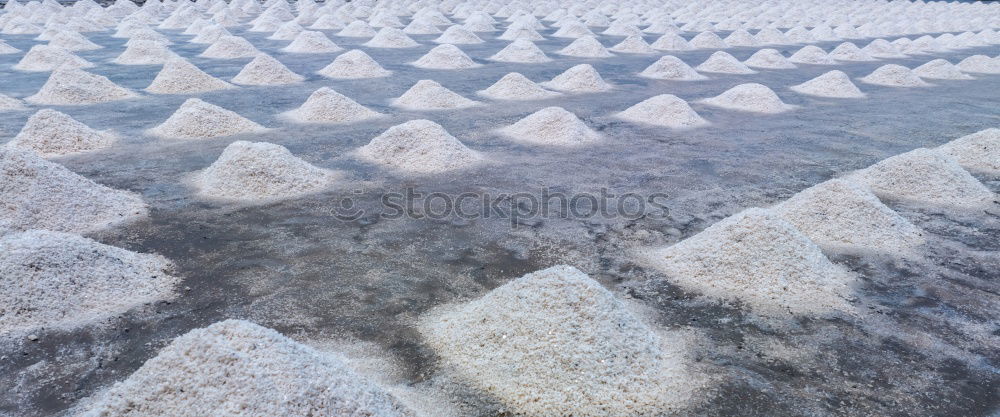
(581,78)
(670,67)
(311,42)
(892,75)
(551,126)
(664,110)
(926,176)
(515,86)
(265,70)
(354,64)
(445,57)
(196,119)
(328,106)
(751,97)
(179,76)
(48,58)
(978,152)
(831,84)
(50,133)
(419,146)
(71,86)
(249,171)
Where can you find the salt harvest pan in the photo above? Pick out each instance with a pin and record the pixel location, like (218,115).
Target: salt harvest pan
(551,126)
(51,133)
(260,171)
(419,146)
(196,119)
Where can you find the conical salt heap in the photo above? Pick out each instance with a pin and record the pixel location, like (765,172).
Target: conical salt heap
(515,86)
(671,42)
(978,152)
(722,62)
(429,95)
(211,35)
(354,64)
(831,84)
(521,51)
(71,86)
(670,67)
(634,44)
(551,126)
(445,57)
(925,176)
(741,37)
(843,214)
(771,36)
(419,146)
(39,194)
(389,37)
(581,78)
(708,40)
(573,29)
(981,64)
(10,103)
(265,70)
(196,119)
(585,47)
(328,106)
(312,42)
(940,69)
(768,58)
(881,48)
(328,22)
(287,32)
(50,133)
(357,29)
(145,53)
(72,41)
(892,75)
(458,35)
(230,47)
(664,110)
(811,54)
(757,258)
(254,171)
(235,368)
(751,97)
(179,76)
(7,49)
(848,51)
(48,58)
(558,328)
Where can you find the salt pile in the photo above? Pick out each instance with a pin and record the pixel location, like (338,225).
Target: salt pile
(211,35)
(979,152)
(768,58)
(265,70)
(634,44)
(671,42)
(10,103)
(72,41)
(7,49)
(558,328)
(144,53)
(831,84)
(772,36)
(253,171)
(757,258)
(48,58)
(581,78)
(670,67)
(354,64)
(893,75)
(429,95)
(881,48)
(848,51)
(419,146)
(287,31)
(515,86)
(236,368)
(941,69)
(740,37)
(521,51)
(311,42)
(179,76)
(63,280)
(50,133)
(707,40)
(71,86)
(389,37)
(328,106)
(458,35)
(724,63)
(751,97)
(585,47)
(445,56)
(551,126)
(811,54)
(196,119)
(230,47)
(843,214)
(664,110)
(977,64)
(925,176)
(39,194)
(357,29)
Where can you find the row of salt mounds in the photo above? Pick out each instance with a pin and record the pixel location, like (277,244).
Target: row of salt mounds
(925,176)
(230,47)
(354,64)
(237,368)
(664,110)
(429,95)
(196,119)
(39,194)
(940,69)
(312,42)
(47,58)
(769,58)
(581,78)
(979,152)
(266,70)
(178,76)
(72,86)
(557,343)
(145,53)
(670,67)
(445,56)
(255,171)
(328,106)
(834,84)
(723,63)
(419,146)
(63,280)
(751,97)
(551,126)
(51,133)
(892,75)
(759,259)
(515,86)
(521,51)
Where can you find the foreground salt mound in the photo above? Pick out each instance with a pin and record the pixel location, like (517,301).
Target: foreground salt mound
(39,194)
(551,126)
(844,214)
(664,110)
(981,64)
(230,47)
(892,75)
(419,146)
(724,63)
(831,84)
(48,58)
(769,58)
(581,78)
(72,86)
(521,51)
(757,258)
(144,53)
(940,69)
(445,56)
(979,152)
(265,70)
(255,171)
(526,341)
(50,133)
(670,67)
(179,76)
(196,119)
(354,64)
(751,97)
(311,42)
(429,95)
(515,86)
(237,368)
(925,176)
(328,106)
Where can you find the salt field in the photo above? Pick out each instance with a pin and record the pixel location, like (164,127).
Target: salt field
(449,208)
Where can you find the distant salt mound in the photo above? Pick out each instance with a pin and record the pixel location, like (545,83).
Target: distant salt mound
(751,97)
(458,35)
(260,171)
(71,86)
(757,258)
(671,42)
(978,152)
(521,51)
(740,37)
(557,328)
(10,103)
(62,280)
(670,67)
(145,53)
(881,48)
(892,75)
(515,86)
(843,214)
(48,58)
(445,57)
(770,59)
(210,35)
(235,368)
(328,106)
(981,64)
(230,47)
(419,146)
(722,62)
(811,54)
(39,194)
(940,69)
(265,70)
(288,31)
(772,36)
(551,126)
(312,42)
(50,133)
(664,110)
(357,29)
(585,47)
(581,78)
(196,119)
(634,44)
(708,40)
(429,95)
(73,41)
(179,76)
(354,64)
(831,84)
(390,37)
(848,51)
(925,176)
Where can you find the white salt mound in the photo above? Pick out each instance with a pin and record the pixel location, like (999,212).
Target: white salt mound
(354,64)
(230,47)
(670,67)
(526,341)
(10,103)
(71,86)
(978,152)
(722,62)
(769,58)
(585,47)
(429,95)
(848,51)
(458,35)
(515,86)
(50,133)
(73,41)
(751,97)
(634,44)
(144,53)
(893,75)
(237,368)
(254,171)
(551,126)
(7,49)
(981,64)
(39,194)
(265,70)
(811,54)
(390,37)
(831,84)
(328,106)
(48,58)
(757,258)
(925,176)
(664,110)
(311,42)
(179,76)
(419,146)
(940,69)
(521,51)
(63,280)
(196,119)
(445,57)
(581,78)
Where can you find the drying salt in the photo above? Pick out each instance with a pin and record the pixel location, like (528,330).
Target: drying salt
(419,146)
(51,133)
(196,119)
(551,126)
